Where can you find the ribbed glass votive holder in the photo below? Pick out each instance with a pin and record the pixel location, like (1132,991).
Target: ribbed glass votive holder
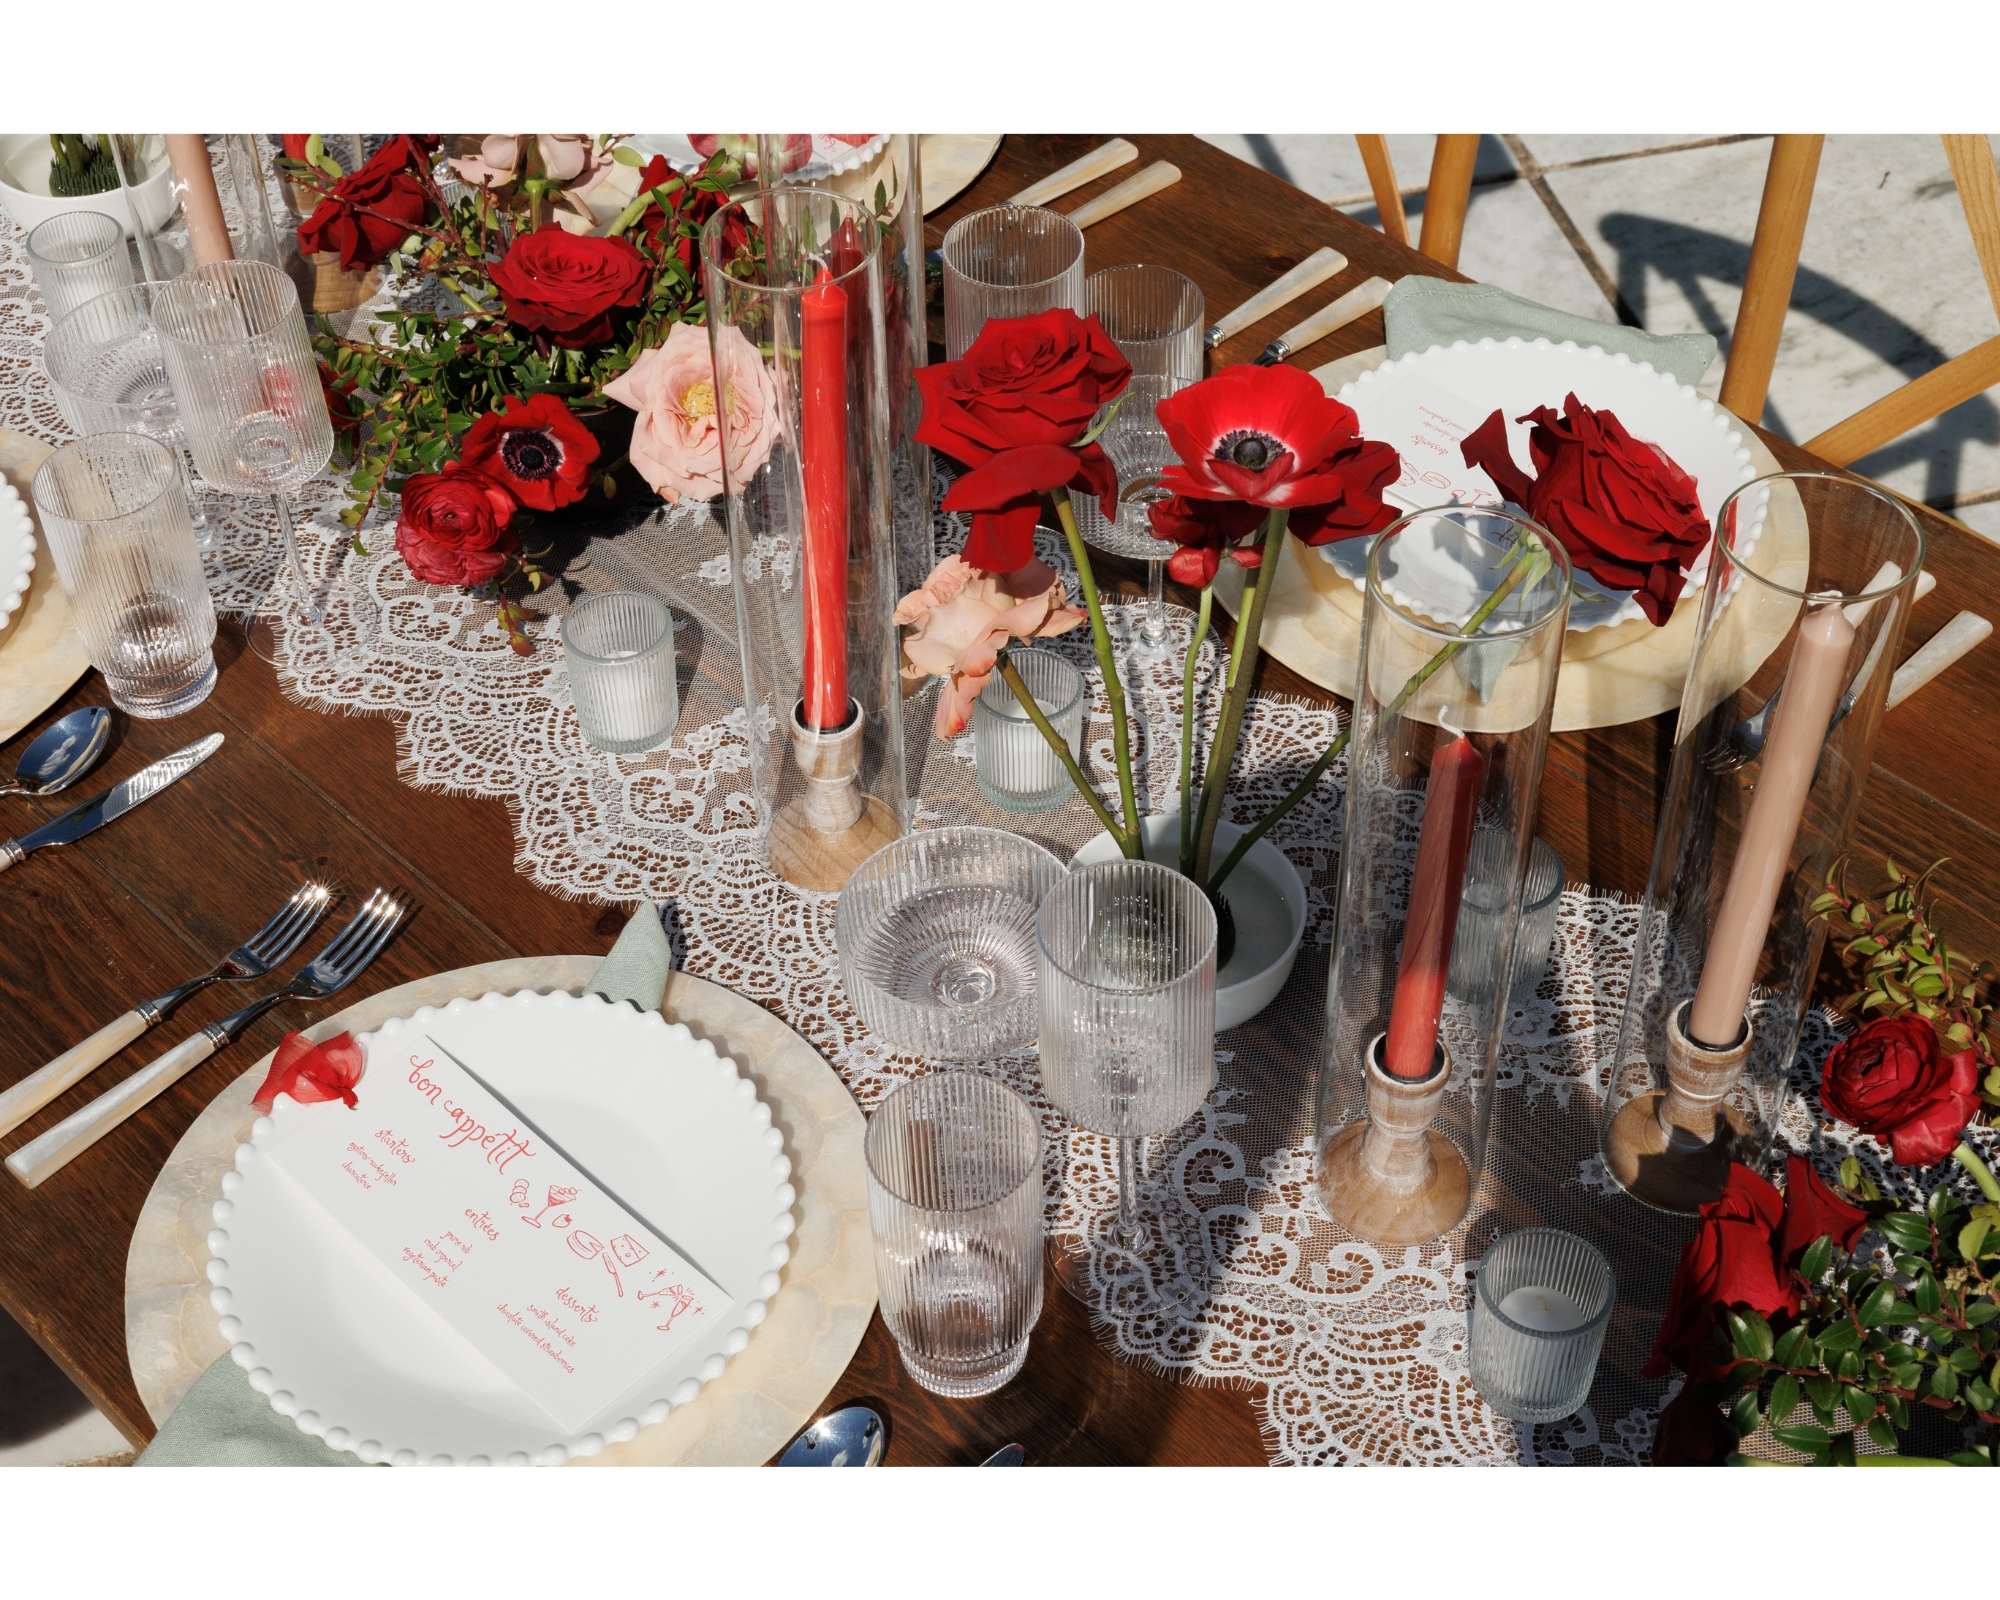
(77,256)
(1017,769)
(1543,1299)
(1475,952)
(620,650)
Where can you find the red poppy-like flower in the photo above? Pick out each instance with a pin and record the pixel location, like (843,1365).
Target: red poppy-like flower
(536,450)
(1206,531)
(454,526)
(1729,1262)
(1813,1208)
(1272,437)
(1012,408)
(567,284)
(1621,507)
(372,211)
(1894,1081)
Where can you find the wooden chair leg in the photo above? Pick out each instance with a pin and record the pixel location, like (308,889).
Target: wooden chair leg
(1978,180)
(1382,179)
(1774,265)
(1448,194)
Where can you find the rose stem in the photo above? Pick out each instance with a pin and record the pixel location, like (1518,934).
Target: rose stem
(1114,688)
(1222,754)
(1057,743)
(1187,730)
(1981,1174)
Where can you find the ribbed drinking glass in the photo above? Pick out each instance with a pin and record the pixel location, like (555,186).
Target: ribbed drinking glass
(1154,316)
(620,650)
(1140,452)
(1475,950)
(242,368)
(1008,261)
(955,1201)
(78,256)
(936,935)
(1543,1300)
(1126,968)
(112,509)
(1017,769)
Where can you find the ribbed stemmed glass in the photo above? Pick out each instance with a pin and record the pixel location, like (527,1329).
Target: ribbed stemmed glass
(242,368)
(1125,965)
(105,365)
(1140,452)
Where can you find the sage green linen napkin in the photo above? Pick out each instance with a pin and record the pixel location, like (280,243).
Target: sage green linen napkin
(1421,312)
(223,1422)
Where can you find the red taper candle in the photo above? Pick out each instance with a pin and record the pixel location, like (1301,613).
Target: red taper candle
(823,448)
(1449,810)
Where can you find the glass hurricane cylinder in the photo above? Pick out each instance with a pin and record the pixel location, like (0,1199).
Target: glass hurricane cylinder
(1462,635)
(801,379)
(1800,618)
(1008,261)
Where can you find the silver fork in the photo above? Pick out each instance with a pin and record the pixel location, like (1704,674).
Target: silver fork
(1744,743)
(254,957)
(346,954)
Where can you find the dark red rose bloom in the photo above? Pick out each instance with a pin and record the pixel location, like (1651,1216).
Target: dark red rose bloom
(453,526)
(662,228)
(372,211)
(1729,1262)
(1893,1080)
(1028,387)
(1692,1432)
(567,284)
(1206,531)
(1272,437)
(1623,510)
(1812,1208)
(537,451)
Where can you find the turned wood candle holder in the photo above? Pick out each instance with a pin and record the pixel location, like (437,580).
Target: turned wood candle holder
(820,837)
(1672,1147)
(1395,1179)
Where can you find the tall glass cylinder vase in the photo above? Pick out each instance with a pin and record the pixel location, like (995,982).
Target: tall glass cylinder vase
(1800,620)
(1462,636)
(801,379)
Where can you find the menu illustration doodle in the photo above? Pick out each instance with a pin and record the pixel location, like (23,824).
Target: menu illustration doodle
(435,1177)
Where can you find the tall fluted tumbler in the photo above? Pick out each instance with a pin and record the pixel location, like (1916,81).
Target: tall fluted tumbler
(77,256)
(1153,314)
(955,1201)
(1008,261)
(1543,1300)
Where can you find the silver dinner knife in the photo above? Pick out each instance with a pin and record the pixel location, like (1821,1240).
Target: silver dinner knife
(120,798)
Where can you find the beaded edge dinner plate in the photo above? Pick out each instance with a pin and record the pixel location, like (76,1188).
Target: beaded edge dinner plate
(17,552)
(829,156)
(353,1356)
(1516,375)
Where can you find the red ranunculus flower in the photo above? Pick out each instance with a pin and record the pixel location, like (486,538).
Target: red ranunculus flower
(338,393)
(1812,1208)
(1012,408)
(372,211)
(1272,437)
(1729,1262)
(1623,510)
(567,284)
(536,450)
(453,526)
(1893,1080)
(1206,531)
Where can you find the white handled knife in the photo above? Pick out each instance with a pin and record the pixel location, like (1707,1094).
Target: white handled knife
(1325,262)
(1356,303)
(120,798)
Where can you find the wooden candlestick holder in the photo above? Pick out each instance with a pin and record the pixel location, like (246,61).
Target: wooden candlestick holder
(820,837)
(1395,1179)
(1672,1147)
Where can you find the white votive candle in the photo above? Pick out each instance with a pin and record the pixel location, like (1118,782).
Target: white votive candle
(1542,1310)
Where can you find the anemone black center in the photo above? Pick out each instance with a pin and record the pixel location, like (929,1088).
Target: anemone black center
(1248,449)
(530,453)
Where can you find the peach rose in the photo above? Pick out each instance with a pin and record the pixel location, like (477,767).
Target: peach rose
(962,616)
(677,440)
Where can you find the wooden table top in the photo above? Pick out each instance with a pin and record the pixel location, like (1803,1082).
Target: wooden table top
(92,928)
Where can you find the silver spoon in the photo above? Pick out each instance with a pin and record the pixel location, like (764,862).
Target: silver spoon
(63,752)
(850,1437)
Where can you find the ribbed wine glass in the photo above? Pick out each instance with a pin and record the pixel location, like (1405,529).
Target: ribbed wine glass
(1140,452)
(242,368)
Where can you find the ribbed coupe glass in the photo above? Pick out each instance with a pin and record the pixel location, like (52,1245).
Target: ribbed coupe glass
(242,368)
(936,936)
(1126,968)
(1008,261)
(1154,316)
(955,1201)
(111,506)
(77,256)
(1543,1300)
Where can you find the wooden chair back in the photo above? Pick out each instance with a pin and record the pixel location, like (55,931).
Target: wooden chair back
(1445,197)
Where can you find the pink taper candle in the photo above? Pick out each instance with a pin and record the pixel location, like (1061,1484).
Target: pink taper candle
(208,234)
(1813,685)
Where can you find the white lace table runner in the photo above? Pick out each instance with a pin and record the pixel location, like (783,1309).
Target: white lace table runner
(1352,1354)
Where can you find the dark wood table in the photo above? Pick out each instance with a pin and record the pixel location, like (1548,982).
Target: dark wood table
(133,910)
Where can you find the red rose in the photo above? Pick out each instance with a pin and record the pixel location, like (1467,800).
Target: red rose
(1271,437)
(1012,408)
(1692,1432)
(338,392)
(453,526)
(1206,530)
(1893,1080)
(1729,1262)
(1811,1209)
(538,452)
(566,284)
(372,211)
(1623,510)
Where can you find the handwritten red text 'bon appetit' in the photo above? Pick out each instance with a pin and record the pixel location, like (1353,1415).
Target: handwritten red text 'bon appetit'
(466,1129)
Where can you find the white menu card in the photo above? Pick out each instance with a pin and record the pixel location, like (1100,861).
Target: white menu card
(1428,425)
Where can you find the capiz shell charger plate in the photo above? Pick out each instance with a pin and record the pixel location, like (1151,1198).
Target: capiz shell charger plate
(651,1113)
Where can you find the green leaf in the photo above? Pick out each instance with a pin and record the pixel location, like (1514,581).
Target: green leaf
(1784,1398)
(1795,1349)
(626,156)
(1964,1359)
(1939,1203)
(1804,1436)
(1849,1365)
(1860,1404)
(1926,1296)
(1843,1336)
(1972,1238)
(1875,1309)
(1905,1228)
(1979,1394)
(1761,1339)
(1842,1449)
(1824,1394)
(1981,1312)
(1744,1416)
(1944,1383)
(1818,1257)
(1883,1434)
(1850,1174)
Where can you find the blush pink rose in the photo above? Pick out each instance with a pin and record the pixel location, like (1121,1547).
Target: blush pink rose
(677,439)
(564,156)
(962,616)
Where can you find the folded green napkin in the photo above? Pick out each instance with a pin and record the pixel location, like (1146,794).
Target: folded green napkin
(223,1422)
(1421,312)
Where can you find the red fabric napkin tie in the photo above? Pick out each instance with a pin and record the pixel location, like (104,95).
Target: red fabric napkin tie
(312,1072)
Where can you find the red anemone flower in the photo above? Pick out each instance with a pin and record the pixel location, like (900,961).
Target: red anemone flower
(536,450)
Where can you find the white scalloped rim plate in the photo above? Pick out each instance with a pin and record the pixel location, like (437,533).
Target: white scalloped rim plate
(829,156)
(17,552)
(654,1114)
(1514,377)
